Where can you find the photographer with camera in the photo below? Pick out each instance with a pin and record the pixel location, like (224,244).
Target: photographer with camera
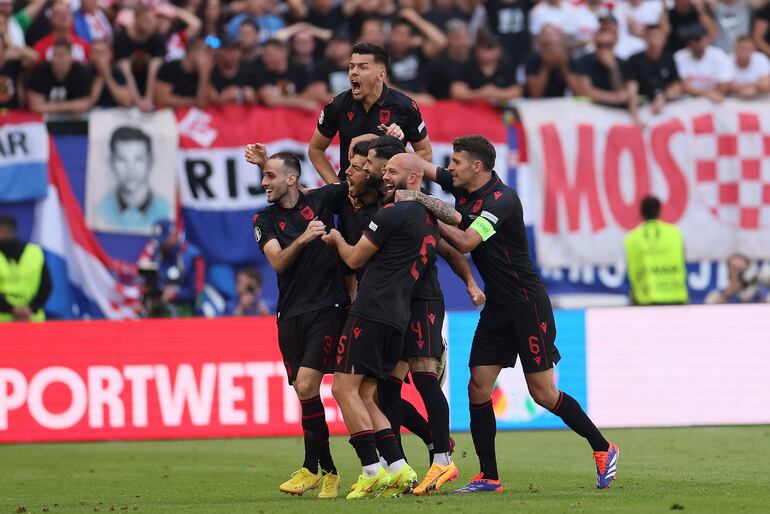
(173,273)
(745,284)
(248,302)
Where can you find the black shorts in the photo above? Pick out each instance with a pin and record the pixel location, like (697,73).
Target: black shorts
(368,348)
(524,329)
(423,335)
(307,340)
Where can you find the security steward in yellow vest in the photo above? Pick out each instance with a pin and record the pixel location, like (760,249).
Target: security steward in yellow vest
(25,283)
(656,262)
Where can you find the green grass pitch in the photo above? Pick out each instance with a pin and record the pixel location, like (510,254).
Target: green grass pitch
(694,469)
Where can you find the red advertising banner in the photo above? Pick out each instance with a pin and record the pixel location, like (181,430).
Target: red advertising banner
(154,379)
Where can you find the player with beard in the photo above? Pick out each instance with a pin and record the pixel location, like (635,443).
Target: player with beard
(368,107)
(400,241)
(312,300)
(424,345)
(517,320)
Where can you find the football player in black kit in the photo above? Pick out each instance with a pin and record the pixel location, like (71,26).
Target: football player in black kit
(517,319)
(423,341)
(312,301)
(367,107)
(398,245)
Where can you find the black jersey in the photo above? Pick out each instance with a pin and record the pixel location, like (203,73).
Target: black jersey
(315,280)
(406,235)
(503,257)
(348,117)
(352,223)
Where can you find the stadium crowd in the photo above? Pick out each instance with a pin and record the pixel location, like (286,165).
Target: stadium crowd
(71,56)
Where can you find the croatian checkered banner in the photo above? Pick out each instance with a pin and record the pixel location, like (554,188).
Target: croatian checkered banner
(590,166)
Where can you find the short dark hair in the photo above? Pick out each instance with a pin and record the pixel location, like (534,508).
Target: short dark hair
(276,43)
(386,147)
(290,162)
(250,22)
(402,21)
(8,222)
(253,274)
(386,141)
(379,54)
(361,148)
(129,134)
(650,208)
(478,147)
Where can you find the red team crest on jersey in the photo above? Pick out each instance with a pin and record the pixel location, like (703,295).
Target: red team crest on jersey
(476,206)
(307,213)
(350,115)
(498,194)
(385,117)
(282,224)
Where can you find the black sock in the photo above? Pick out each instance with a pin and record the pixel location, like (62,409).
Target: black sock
(313,422)
(388,446)
(325,457)
(389,396)
(573,415)
(415,423)
(483,430)
(438,409)
(363,442)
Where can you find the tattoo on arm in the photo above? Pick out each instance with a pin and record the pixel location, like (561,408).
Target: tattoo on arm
(442,210)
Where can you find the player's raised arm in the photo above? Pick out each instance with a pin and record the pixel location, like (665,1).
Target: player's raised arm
(467,240)
(442,210)
(462,269)
(317,153)
(281,259)
(354,256)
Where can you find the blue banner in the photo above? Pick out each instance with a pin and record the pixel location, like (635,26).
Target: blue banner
(514,407)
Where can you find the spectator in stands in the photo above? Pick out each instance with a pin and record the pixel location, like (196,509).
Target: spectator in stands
(231,81)
(508,19)
(587,22)
(109,87)
(560,14)
(487,77)
(441,12)
(732,19)
(61,20)
(641,14)
(18,22)
(657,272)
(652,73)
(373,32)
(91,24)
(334,71)
(409,55)
(259,12)
(359,12)
(684,14)
(139,52)
(280,82)
(61,85)
(248,287)
(704,69)
(11,88)
(626,45)
(323,14)
(186,81)
(549,67)
(248,41)
(760,28)
(174,269)
(447,68)
(599,75)
(744,283)
(212,19)
(25,283)
(176,26)
(750,70)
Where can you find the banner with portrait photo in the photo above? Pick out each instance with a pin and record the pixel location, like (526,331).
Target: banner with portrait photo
(131,177)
